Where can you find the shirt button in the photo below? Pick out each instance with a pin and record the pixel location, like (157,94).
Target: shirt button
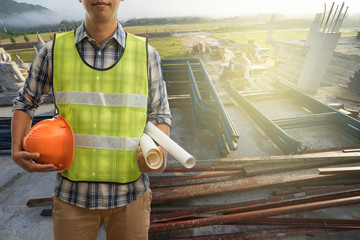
(99,53)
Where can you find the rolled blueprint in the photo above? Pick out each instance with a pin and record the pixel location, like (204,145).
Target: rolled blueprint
(169,145)
(152,154)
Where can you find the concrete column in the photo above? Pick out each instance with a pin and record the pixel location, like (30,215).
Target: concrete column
(317,60)
(270,32)
(314,29)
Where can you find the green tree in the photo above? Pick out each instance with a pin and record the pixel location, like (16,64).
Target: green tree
(26,38)
(12,39)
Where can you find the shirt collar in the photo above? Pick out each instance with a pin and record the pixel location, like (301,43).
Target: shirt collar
(119,35)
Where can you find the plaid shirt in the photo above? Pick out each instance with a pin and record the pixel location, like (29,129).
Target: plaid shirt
(38,83)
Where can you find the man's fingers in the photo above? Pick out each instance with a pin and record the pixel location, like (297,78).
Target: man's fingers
(163,150)
(36,167)
(29,156)
(32,166)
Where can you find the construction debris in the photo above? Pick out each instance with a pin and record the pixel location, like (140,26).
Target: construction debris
(354,84)
(11,77)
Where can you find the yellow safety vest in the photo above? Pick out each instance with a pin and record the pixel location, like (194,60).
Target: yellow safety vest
(107,109)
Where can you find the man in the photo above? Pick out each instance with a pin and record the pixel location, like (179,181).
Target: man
(100,77)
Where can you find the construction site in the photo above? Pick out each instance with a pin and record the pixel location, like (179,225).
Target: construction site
(275,131)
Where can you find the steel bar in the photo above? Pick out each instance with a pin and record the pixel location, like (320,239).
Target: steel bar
(193,182)
(305,121)
(323,17)
(280,137)
(336,24)
(205,169)
(305,222)
(232,131)
(258,204)
(38,202)
(206,102)
(332,19)
(264,234)
(46,212)
(322,115)
(339,170)
(194,177)
(325,108)
(332,6)
(188,76)
(340,11)
(244,216)
(237,185)
(333,156)
(257,169)
(221,115)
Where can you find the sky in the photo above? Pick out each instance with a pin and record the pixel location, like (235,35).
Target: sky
(72,9)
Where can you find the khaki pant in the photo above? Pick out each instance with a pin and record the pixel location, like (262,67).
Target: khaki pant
(126,223)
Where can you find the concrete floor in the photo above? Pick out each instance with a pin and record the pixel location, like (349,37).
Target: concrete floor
(17,186)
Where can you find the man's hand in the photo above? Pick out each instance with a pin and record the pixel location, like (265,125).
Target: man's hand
(21,123)
(144,167)
(27,161)
(140,157)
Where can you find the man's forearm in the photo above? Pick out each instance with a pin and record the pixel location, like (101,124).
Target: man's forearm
(164,128)
(20,125)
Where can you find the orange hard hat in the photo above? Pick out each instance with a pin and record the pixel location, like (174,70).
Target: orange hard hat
(54,140)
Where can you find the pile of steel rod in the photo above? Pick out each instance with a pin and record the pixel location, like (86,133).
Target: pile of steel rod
(173,216)
(320,114)
(188,76)
(354,84)
(268,214)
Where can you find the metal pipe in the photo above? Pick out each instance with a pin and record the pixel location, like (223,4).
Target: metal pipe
(244,216)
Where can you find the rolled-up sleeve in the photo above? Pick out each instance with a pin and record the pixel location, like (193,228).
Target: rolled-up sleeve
(37,83)
(158,105)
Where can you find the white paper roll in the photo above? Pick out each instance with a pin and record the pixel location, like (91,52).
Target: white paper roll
(152,154)
(172,147)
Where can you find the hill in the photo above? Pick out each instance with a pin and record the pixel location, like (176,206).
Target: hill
(10,7)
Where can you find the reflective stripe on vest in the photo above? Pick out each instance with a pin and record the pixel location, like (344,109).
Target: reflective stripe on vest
(106,109)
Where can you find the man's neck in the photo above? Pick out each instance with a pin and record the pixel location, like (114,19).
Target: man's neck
(100,32)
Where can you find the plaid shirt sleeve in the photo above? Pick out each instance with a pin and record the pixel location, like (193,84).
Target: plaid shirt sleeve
(158,105)
(37,83)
